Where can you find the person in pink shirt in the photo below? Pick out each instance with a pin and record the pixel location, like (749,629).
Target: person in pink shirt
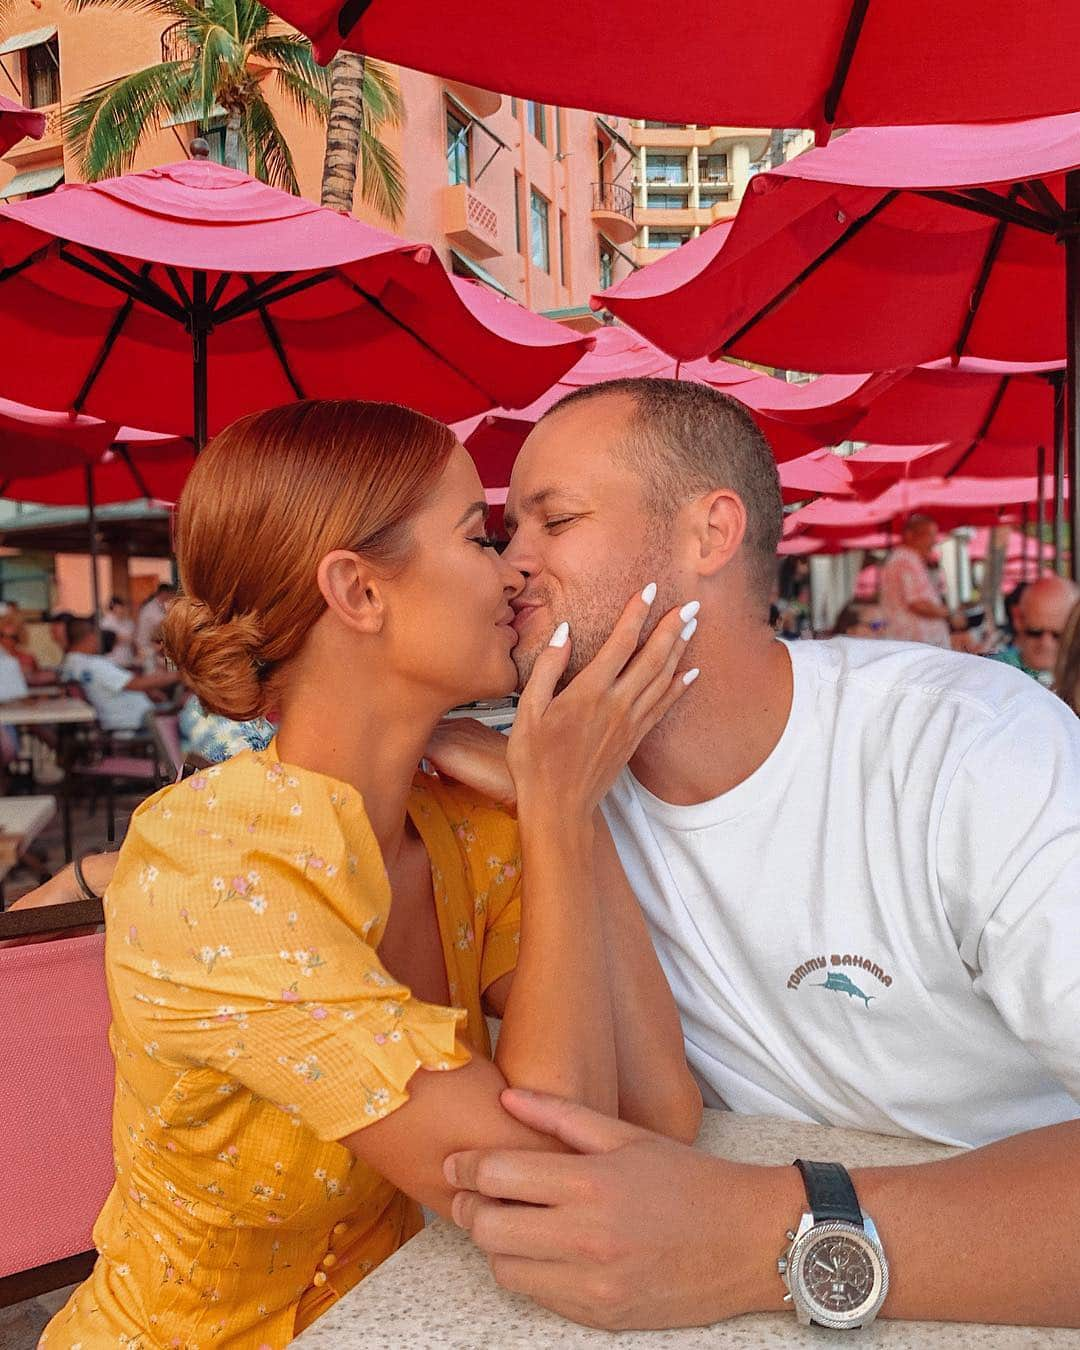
(909,597)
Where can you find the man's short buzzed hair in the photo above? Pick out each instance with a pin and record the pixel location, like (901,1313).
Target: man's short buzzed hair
(688,439)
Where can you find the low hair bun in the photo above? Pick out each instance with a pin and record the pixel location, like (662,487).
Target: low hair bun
(219,659)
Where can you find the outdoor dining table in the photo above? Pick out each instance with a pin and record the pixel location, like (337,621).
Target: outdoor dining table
(21,821)
(63,713)
(437,1290)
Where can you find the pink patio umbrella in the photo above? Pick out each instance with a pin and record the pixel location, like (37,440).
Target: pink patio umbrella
(771,63)
(494,438)
(179,298)
(951,501)
(889,248)
(17,122)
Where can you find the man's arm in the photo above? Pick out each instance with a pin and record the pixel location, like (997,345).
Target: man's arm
(982,1237)
(158,679)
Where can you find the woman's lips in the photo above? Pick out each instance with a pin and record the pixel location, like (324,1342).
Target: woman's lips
(521,617)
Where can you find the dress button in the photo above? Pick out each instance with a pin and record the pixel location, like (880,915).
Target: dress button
(340,1228)
(329,1260)
(320,1278)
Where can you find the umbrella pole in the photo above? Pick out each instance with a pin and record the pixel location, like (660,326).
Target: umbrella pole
(1072,357)
(1040,534)
(1059,472)
(198,359)
(1025,535)
(92,519)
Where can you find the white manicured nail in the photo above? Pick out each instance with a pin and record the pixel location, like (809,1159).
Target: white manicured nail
(558,638)
(689,610)
(649,593)
(691,676)
(688,632)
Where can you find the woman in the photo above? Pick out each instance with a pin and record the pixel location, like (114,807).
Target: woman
(290,936)
(861,619)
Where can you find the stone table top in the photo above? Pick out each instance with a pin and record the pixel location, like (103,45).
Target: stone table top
(437,1290)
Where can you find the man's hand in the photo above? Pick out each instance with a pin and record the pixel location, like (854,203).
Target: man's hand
(470,753)
(637,1231)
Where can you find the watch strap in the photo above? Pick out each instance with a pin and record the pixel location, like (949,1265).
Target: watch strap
(829,1192)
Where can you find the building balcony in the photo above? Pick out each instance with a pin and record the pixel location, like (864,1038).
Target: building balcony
(469,222)
(705,138)
(28,151)
(613,211)
(480,102)
(176,45)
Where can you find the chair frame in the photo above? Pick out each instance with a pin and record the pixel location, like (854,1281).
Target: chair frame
(48,920)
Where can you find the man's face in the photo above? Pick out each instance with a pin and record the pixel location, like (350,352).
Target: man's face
(580,532)
(923,539)
(1043,613)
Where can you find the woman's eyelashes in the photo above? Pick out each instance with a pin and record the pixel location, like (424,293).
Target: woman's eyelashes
(486,541)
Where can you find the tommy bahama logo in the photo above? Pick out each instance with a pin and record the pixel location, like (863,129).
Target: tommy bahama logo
(837,979)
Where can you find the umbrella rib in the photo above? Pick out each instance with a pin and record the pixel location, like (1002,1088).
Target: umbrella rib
(146,290)
(140,481)
(1039,194)
(264,293)
(219,290)
(980,435)
(106,347)
(852,33)
(178,286)
(133,294)
(990,204)
(808,271)
(378,305)
(275,341)
(350,14)
(982,281)
(13,271)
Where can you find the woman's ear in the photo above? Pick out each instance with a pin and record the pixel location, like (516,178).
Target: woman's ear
(351,591)
(720,527)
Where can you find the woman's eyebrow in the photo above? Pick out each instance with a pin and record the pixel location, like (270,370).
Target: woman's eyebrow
(474,508)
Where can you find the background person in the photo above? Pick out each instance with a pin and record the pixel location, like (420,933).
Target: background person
(909,594)
(861,618)
(119,698)
(118,621)
(1040,615)
(150,618)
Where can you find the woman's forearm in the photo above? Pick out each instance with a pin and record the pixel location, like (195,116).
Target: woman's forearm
(656,1089)
(557,1034)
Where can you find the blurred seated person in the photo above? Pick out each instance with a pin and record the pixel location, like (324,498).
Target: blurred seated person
(148,624)
(13,644)
(1040,619)
(118,622)
(861,619)
(216,738)
(119,698)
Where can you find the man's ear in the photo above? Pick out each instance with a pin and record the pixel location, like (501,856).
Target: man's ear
(719,527)
(352,591)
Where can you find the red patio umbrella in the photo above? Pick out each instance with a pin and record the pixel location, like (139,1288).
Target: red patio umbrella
(17,122)
(771,63)
(889,248)
(179,298)
(950,501)
(494,438)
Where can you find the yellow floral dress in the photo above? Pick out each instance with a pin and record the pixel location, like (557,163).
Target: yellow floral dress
(254,1026)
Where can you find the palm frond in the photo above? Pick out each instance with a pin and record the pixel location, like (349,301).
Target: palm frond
(107,124)
(160,9)
(219,61)
(308,100)
(382,178)
(290,51)
(269,149)
(382,93)
(253,19)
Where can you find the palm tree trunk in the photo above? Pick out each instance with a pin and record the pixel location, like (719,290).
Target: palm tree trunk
(232,137)
(343,130)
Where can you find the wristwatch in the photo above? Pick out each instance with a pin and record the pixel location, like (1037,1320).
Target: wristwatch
(835,1267)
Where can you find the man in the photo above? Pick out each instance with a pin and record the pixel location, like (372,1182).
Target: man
(117,696)
(909,595)
(859,863)
(1040,618)
(150,619)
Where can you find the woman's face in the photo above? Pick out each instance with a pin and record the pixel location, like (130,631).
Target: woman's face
(872,623)
(448,617)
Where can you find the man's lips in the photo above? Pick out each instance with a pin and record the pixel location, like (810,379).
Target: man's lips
(522,614)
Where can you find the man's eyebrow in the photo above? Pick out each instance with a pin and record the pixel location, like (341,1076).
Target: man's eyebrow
(474,508)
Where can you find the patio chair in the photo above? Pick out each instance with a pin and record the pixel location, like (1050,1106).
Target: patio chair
(56,1083)
(133,764)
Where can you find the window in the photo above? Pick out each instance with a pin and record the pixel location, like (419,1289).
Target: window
(514,108)
(538,231)
(607,265)
(458,150)
(564,249)
(668,238)
(666,169)
(678,125)
(517,212)
(710,196)
(536,118)
(713,169)
(43,74)
(666,201)
(559,132)
(214,135)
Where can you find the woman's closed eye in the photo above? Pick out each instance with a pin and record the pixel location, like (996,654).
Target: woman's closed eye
(486,541)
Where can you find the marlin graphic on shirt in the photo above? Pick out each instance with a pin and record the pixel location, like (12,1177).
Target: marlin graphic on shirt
(842,985)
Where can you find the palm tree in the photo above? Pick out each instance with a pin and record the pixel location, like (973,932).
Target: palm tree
(222,56)
(363,98)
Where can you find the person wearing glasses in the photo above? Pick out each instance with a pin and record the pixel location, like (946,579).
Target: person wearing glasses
(1041,617)
(861,619)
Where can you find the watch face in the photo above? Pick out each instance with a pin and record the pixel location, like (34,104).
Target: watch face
(840,1274)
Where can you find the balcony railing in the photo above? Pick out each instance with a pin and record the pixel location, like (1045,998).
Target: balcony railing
(176,45)
(613,197)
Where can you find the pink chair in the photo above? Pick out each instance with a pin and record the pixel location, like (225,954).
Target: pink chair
(56,1092)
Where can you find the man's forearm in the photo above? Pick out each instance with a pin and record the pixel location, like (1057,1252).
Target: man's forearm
(557,1032)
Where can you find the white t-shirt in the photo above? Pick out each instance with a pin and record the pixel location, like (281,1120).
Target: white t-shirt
(103,682)
(880,928)
(12,680)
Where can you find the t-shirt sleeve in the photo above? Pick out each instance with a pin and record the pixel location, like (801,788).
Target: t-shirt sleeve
(109,676)
(1008,862)
(238,948)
